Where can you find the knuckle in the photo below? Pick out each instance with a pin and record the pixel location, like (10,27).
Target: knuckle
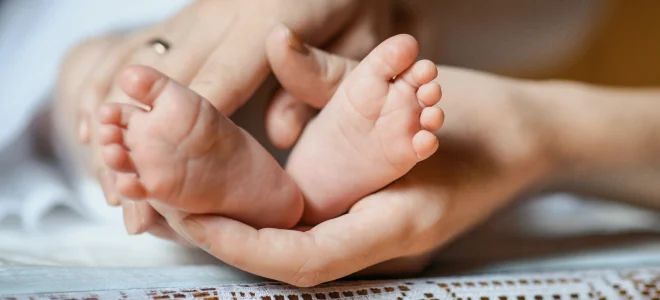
(313,271)
(237,260)
(218,248)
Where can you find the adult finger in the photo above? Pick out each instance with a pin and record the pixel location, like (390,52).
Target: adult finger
(163,230)
(139,216)
(310,75)
(107,180)
(98,84)
(366,31)
(79,63)
(379,230)
(180,60)
(155,224)
(238,65)
(177,47)
(93,92)
(285,119)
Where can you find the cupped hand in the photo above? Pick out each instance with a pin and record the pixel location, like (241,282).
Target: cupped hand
(490,150)
(217,48)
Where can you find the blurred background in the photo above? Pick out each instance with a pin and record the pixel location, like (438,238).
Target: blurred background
(624,50)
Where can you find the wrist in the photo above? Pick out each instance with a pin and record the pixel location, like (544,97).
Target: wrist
(565,124)
(591,129)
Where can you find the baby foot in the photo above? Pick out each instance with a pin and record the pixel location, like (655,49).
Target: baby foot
(181,151)
(375,128)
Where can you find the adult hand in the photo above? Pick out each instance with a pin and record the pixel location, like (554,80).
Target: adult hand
(490,149)
(217,48)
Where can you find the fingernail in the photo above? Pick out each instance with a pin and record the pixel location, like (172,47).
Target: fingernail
(296,44)
(132,218)
(194,232)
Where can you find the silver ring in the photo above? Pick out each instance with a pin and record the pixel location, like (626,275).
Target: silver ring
(159,45)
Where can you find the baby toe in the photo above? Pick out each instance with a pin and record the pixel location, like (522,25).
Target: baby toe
(432,118)
(109,113)
(429,94)
(141,83)
(425,144)
(118,114)
(116,157)
(130,186)
(420,73)
(390,58)
(424,71)
(107,179)
(110,134)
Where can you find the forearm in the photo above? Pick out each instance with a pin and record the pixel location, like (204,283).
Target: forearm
(638,187)
(601,129)
(606,140)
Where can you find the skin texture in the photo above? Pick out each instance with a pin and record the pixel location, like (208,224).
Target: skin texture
(209,39)
(373,130)
(403,223)
(214,167)
(498,141)
(426,208)
(506,138)
(186,154)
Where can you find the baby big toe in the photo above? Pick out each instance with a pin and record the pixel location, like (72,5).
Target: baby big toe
(117,114)
(390,58)
(143,84)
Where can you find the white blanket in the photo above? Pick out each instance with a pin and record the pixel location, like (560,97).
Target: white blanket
(209,283)
(34,37)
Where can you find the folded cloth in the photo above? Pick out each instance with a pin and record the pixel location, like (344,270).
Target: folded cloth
(35,35)
(48,215)
(30,186)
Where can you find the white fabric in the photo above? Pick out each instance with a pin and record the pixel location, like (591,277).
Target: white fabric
(629,283)
(34,37)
